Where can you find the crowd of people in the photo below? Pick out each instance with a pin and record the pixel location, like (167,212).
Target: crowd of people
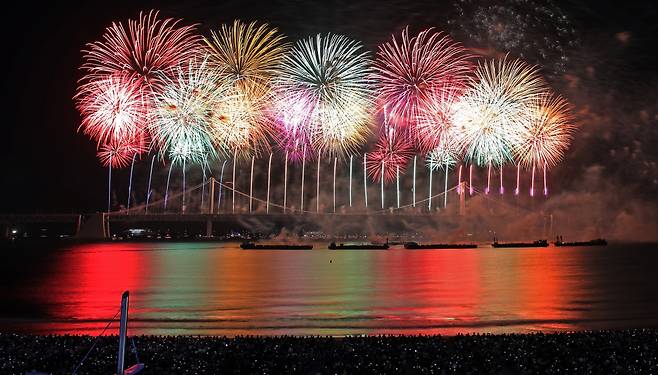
(600,352)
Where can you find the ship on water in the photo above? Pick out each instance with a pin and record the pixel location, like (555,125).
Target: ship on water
(595,242)
(255,246)
(371,246)
(538,243)
(430,246)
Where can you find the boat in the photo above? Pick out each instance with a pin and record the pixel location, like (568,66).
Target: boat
(417,246)
(538,243)
(596,242)
(333,246)
(254,246)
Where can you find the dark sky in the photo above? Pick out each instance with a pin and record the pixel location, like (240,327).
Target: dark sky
(49,167)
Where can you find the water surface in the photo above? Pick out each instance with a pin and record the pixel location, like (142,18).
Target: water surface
(219,289)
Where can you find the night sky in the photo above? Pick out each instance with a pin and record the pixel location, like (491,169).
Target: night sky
(602,57)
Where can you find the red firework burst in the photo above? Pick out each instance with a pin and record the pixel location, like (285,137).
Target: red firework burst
(119,155)
(114,110)
(393,150)
(148,48)
(413,70)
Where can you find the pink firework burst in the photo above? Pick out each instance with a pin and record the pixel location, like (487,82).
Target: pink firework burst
(148,48)
(294,136)
(412,71)
(113,110)
(393,150)
(119,155)
(295,142)
(435,123)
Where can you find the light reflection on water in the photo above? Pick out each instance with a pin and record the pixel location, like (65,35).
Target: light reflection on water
(218,289)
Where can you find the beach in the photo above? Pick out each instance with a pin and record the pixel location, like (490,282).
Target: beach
(587,352)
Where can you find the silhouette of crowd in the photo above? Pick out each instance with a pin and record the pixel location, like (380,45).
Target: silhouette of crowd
(600,352)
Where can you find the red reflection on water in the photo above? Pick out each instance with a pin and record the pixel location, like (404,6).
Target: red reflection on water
(435,291)
(89,282)
(543,290)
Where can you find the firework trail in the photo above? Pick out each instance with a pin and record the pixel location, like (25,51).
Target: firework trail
(317,186)
(148,189)
(285,182)
(397,186)
(221,184)
(147,50)
(393,150)
(412,71)
(245,58)
(382,185)
(470,179)
(487,188)
(350,180)
(112,110)
(203,187)
(117,155)
(413,202)
(324,95)
(335,161)
(365,179)
(493,113)
(233,184)
(459,181)
(518,178)
(429,196)
(301,204)
(130,181)
(444,156)
(251,184)
(166,197)
(269,179)
(183,126)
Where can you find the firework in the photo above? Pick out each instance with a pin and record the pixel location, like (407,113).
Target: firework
(435,124)
(112,110)
(295,142)
(119,155)
(547,135)
(239,123)
(495,110)
(246,56)
(146,51)
(182,127)
(413,70)
(444,156)
(324,91)
(393,150)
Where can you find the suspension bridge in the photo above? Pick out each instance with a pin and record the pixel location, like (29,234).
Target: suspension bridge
(211,207)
